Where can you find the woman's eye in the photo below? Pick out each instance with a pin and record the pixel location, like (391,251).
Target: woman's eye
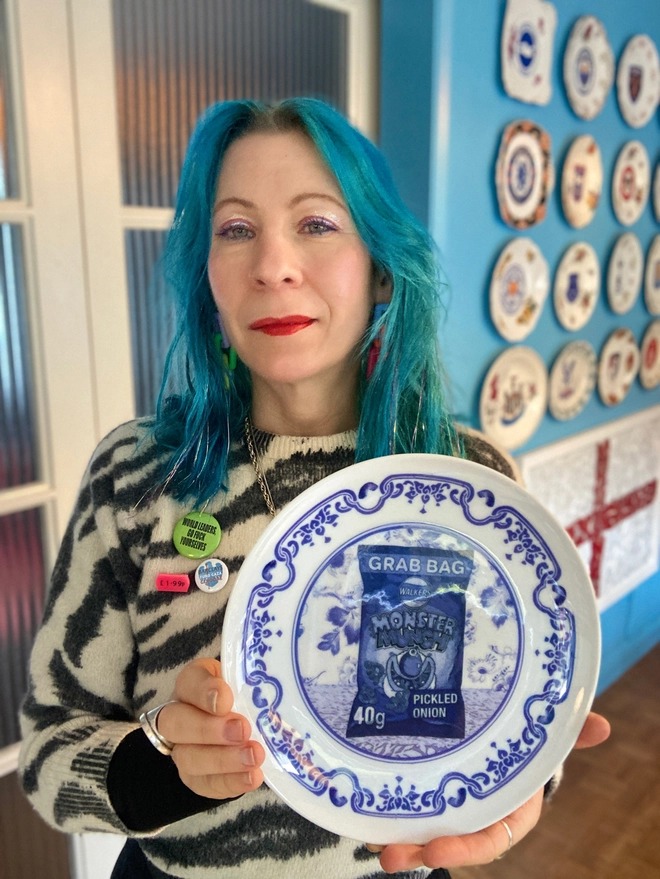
(235,232)
(318,226)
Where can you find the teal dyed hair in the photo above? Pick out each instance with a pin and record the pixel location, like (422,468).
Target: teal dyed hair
(202,405)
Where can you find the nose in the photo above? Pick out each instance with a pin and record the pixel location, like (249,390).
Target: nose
(276,261)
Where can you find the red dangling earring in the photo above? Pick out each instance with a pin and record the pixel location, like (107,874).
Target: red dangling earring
(374,351)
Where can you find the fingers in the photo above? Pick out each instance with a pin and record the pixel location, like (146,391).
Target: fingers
(468,850)
(222,786)
(203,760)
(185,724)
(212,748)
(200,683)
(595,730)
(220,772)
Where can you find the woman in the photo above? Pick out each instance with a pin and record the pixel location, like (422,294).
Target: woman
(288,232)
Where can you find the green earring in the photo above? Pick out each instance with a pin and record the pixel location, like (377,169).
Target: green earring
(228,354)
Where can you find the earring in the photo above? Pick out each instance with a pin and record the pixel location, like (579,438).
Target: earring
(223,345)
(374,351)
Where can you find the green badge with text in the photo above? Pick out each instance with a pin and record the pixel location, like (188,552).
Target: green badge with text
(196,535)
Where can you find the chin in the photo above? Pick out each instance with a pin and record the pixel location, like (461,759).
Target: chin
(289,370)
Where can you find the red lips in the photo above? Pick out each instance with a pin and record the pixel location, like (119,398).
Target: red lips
(282,326)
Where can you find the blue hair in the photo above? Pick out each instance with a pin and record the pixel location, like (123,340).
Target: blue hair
(202,405)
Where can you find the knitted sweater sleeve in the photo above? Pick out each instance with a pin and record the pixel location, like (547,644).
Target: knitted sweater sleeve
(79,703)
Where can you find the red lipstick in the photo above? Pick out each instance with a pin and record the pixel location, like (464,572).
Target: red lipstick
(282,326)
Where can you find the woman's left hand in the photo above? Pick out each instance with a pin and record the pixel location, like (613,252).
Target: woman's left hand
(491,842)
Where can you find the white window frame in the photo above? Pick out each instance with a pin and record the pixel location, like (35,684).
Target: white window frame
(48,211)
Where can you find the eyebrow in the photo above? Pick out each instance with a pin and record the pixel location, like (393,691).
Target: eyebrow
(294,201)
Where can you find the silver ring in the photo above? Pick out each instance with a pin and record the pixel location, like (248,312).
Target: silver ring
(149,724)
(508,830)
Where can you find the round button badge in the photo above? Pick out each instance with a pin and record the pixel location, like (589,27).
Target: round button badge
(196,535)
(211,575)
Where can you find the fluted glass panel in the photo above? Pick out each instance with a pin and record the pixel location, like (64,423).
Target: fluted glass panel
(22,581)
(175,57)
(152,324)
(8,181)
(17,436)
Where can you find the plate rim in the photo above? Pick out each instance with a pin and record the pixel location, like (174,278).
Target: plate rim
(494,478)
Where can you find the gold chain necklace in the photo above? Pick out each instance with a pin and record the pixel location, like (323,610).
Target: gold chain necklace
(261,478)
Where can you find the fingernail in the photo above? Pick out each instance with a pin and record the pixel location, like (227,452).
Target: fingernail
(247,757)
(247,779)
(212,699)
(234,731)
(374,848)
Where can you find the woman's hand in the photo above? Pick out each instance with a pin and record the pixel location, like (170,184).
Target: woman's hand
(491,842)
(212,750)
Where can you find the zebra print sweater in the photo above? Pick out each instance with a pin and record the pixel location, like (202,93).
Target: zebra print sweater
(111,646)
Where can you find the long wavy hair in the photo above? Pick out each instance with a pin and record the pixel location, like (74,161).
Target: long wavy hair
(202,404)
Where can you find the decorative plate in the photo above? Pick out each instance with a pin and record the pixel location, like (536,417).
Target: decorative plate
(518,289)
(577,286)
(618,366)
(588,67)
(624,273)
(524,174)
(638,80)
(581,181)
(514,396)
(631,182)
(649,370)
(656,192)
(572,380)
(652,277)
(416,641)
(527,39)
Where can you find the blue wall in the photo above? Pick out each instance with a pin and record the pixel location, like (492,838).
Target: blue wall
(442,98)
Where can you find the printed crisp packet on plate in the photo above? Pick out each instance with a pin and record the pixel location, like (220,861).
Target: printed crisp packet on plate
(410,661)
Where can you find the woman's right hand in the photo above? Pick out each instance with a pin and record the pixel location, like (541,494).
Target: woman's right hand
(212,747)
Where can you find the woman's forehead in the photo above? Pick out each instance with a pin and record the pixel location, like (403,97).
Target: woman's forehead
(262,159)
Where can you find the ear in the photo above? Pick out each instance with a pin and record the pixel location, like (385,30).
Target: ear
(382,288)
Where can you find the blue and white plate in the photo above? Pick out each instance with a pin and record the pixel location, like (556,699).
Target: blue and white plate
(588,67)
(415,640)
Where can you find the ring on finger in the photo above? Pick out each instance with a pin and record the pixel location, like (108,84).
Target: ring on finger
(149,724)
(508,830)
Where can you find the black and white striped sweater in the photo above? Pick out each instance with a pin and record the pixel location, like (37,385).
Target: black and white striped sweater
(111,645)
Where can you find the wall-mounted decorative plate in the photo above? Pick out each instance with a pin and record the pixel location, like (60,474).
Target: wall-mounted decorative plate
(638,80)
(631,182)
(652,277)
(577,286)
(526,51)
(581,181)
(518,289)
(624,273)
(514,396)
(572,380)
(656,192)
(416,641)
(524,174)
(649,369)
(618,366)
(588,67)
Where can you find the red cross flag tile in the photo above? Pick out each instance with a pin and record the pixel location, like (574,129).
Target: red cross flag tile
(604,487)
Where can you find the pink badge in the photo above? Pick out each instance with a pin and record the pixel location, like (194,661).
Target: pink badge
(172,582)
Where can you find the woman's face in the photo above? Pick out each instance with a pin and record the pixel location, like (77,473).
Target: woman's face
(290,275)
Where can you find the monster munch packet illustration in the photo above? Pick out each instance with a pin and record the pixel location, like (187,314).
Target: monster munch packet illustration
(410,664)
